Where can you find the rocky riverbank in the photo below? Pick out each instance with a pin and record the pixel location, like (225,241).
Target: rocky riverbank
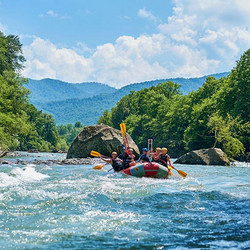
(74,161)
(24,158)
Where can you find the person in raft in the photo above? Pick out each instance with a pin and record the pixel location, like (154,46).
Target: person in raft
(144,157)
(156,155)
(128,158)
(165,158)
(114,161)
(122,152)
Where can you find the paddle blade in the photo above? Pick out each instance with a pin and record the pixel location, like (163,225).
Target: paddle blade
(182,173)
(94,153)
(98,167)
(123,129)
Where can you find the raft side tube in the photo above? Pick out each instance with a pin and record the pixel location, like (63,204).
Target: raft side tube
(147,169)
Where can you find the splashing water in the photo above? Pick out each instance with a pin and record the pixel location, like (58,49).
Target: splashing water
(77,207)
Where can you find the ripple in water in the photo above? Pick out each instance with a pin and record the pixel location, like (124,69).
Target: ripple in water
(53,207)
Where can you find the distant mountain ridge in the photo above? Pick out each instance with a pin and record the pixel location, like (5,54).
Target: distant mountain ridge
(101,97)
(188,84)
(47,90)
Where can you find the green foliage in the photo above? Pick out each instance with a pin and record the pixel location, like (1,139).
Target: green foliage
(11,57)
(47,90)
(224,134)
(22,126)
(217,114)
(105,118)
(89,100)
(69,132)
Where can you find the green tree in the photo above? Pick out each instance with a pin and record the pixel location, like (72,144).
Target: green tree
(11,58)
(224,134)
(22,126)
(69,132)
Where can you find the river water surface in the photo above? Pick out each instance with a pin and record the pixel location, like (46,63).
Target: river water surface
(78,207)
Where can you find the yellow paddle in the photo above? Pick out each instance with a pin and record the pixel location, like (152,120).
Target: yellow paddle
(180,172)
(98,167)
(94,153)
(123,129)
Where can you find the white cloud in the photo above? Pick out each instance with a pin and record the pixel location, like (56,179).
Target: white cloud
(3,28)
(216,29)
(217,13)
(82,48)
(126,61)
(200,38)
(44,59)
(52,13)
(143,13)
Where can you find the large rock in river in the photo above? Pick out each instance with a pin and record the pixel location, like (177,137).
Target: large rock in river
(210,156)
(100,138)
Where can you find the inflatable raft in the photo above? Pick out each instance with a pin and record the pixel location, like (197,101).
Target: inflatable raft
(147,169)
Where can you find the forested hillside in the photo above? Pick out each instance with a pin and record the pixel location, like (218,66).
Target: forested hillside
(22,126)
(47,90)
(217,114)
(88,110)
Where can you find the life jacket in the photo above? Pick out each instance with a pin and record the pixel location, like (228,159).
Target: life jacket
(156,159)
(164,158)
(127,159)
(117,164)
(144,157)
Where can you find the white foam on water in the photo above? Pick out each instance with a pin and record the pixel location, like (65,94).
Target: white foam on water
(107,220)
(20,175)
(7,180)
(28,174)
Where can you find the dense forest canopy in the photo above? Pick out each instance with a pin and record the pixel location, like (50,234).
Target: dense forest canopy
(86,102)
(217,114)
(22,126)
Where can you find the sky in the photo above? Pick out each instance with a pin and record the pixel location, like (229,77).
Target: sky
(119,42)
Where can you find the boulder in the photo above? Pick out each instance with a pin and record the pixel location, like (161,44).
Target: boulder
(100,138)
(3,153)
(210,156)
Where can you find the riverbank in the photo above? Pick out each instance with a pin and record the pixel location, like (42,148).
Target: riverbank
(24,158)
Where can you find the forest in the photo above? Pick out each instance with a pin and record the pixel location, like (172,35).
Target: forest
(22,126)
(216,115)
(69,103)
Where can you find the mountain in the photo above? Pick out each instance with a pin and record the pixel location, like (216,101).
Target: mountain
(88,110)
(188,84)
(47,90)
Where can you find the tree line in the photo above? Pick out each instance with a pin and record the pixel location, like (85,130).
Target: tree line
(216,115)
(22,126)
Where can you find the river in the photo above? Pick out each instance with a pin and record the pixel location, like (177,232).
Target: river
(78,207)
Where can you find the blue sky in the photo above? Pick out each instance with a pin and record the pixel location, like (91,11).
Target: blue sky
(125,41)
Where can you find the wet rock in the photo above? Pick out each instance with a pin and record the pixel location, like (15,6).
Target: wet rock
(73,161)
(4,162)
(21,162)
(15,154)
(3,153)
(210,156)
(100,138)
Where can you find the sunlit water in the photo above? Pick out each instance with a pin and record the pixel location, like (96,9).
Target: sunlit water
(78,207)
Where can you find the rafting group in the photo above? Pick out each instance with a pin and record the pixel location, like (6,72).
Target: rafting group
(151,163)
